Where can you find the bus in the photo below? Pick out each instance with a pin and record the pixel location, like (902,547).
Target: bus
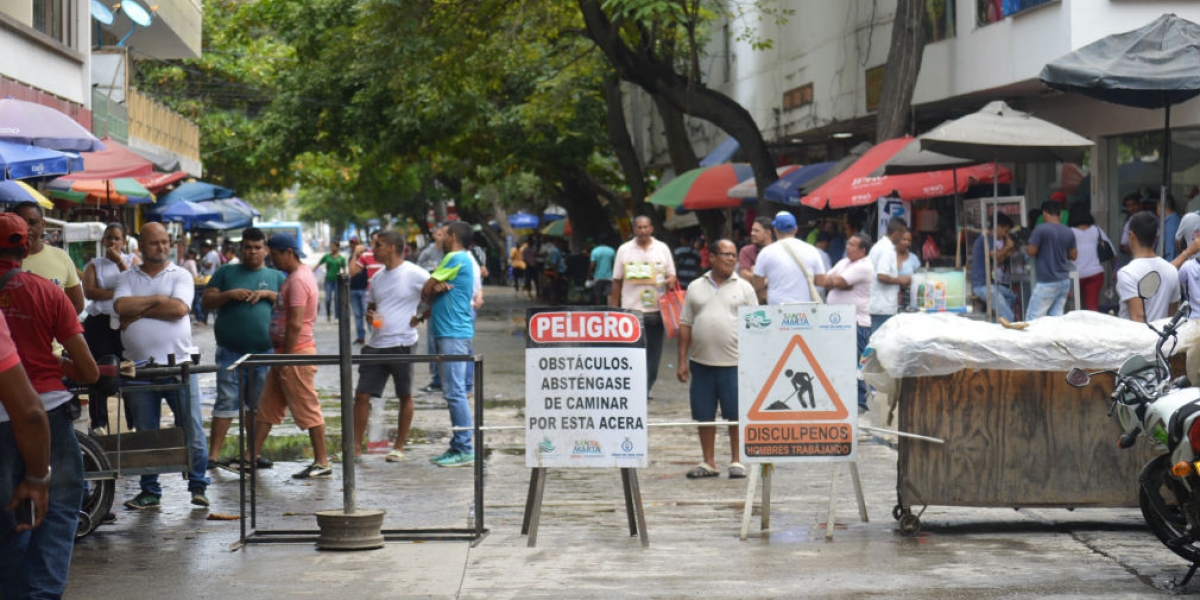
(293,228)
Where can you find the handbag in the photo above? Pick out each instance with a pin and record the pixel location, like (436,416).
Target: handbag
(670,306)
(813,294)
(1104,249)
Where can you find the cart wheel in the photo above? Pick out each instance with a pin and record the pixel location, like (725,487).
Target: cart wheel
(899,511)
(910,524)
(98,499)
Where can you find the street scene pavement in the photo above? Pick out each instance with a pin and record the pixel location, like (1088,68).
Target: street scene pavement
(584,549)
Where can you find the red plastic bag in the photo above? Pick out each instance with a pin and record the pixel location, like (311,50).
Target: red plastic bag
(929,250)
(670,305)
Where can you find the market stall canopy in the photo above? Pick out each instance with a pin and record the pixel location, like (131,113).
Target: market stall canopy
(524,221)
(188,213)
(912,159)
(23,161)
(787,189)
(37,125)
(114,160)
(702,188)
(162,161)
(1000,133)
(748,188)
(16,192)
(195,191)
(819,197)
(723,153)
(844,191)
(1151,67)
(235,214)
(120,190)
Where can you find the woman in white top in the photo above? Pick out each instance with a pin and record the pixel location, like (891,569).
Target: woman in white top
(1091,271)
(101,328)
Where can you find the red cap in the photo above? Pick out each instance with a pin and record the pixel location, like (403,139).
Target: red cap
(1058,197)
(13,231)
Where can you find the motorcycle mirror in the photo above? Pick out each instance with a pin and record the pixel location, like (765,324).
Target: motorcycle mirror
(1148,285)
(1077,377)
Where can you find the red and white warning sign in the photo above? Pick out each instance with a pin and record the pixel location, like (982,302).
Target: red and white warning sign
(797,386)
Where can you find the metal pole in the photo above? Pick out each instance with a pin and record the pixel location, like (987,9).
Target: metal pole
(1166,180)
(348,482)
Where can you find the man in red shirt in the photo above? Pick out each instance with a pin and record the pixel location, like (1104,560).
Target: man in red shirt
(38,312)
(362,258)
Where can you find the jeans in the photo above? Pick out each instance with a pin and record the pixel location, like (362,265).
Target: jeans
(148,415)
(358,302)
(877,321)
(1048,299)
(864,338)
(34,564)
(653,326)
(332,298)
(431,348)
(198,311)
(1002,299)
(228,388)
(454,388)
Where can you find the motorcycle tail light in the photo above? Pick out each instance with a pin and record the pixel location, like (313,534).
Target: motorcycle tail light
(1194,436)
(1181,468)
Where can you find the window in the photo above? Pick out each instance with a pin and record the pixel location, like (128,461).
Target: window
(939,20)
(53,18)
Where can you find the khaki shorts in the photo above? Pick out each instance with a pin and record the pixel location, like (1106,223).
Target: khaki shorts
(291,387)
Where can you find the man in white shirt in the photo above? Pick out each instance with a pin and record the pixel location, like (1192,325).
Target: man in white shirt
(885,290)
(392,302)
(779,273)
(153,300)
(1143,230)
(642,272)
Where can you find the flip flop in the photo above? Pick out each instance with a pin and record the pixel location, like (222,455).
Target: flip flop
(395,456)
(737,471)
(701,471)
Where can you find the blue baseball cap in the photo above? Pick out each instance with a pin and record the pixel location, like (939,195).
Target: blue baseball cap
(285,241)
(784,221)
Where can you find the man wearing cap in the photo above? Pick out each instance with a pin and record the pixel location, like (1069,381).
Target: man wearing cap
(153,300)
(242,294)
(49,262)
(1052,245)
(1064,215)
(885,289)
(293,386)
(38,312)
(643,270)
(786,269)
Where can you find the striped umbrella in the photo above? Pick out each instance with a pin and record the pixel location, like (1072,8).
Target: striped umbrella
(120,190)
(703,188)
(15,192)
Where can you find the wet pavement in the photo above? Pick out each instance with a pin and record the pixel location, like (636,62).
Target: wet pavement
(584,549)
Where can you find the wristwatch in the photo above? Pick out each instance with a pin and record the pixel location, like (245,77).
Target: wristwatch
(40,480)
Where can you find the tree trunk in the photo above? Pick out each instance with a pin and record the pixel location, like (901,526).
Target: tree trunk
(618,137)
(693,98)
(588,217)
(903,66)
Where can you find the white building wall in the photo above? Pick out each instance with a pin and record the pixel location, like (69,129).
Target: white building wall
(32,63)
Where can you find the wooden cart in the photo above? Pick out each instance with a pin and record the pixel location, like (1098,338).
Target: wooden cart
(1012,439)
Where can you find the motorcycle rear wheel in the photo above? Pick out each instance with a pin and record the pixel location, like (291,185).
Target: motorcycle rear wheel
(1168,522)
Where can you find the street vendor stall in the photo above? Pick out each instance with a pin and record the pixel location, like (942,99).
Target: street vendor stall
(1014,433)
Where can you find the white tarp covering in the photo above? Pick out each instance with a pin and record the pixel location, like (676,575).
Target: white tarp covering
(920,344)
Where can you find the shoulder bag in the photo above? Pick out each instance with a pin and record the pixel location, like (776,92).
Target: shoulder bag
(813,294)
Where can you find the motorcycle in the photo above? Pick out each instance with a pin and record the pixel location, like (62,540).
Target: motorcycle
(1146,401)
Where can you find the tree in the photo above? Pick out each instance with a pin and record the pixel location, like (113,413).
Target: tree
(903,67)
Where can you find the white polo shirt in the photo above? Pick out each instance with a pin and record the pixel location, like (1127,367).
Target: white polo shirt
(155,338)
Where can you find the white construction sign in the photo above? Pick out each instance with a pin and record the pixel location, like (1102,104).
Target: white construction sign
(585,388)
(797,383)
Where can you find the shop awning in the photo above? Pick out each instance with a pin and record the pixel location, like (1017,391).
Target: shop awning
(119,161)
(748,188)
(787,189)
(856,187)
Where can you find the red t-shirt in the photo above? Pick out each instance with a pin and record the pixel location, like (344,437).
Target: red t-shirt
(8,350)
(38,312)
(367,261)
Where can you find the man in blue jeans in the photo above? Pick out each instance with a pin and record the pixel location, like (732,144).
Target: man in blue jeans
(152,300)
(449,290)
(1053,247)
(242,294)
(34,564)
(1001,247)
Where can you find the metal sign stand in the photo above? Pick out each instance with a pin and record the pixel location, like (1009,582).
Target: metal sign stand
(765,470)
(634,510)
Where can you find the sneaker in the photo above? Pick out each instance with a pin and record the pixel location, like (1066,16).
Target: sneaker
(454,459)
(429,389)
(199,499)
(441,457)
(144,501)
(315,471)
(395,456)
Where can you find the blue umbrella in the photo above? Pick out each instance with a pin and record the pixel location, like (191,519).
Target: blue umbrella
(22,161)
(188,213)
(195,191)
(235,214)
(786,189)
(524,221)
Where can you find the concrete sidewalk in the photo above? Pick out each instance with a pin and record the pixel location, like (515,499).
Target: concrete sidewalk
(584,548)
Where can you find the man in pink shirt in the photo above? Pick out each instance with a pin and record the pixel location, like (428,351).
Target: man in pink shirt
(643,270)
(849,282)
(293,386)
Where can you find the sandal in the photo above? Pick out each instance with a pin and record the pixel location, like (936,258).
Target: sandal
(737,471)
(395,456)
(702,470)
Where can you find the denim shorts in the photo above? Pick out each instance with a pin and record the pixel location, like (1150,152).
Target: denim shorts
(712,386)
(373,378)
(228,384)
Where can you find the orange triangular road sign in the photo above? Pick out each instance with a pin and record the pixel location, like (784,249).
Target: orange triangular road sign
(802,396)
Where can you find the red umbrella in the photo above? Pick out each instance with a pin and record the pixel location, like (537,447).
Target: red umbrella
(856,187)
(703,188)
